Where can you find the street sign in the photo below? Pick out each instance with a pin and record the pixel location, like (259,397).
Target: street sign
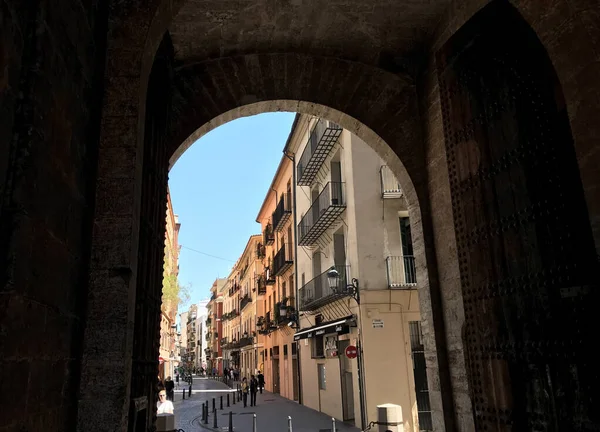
(351,351)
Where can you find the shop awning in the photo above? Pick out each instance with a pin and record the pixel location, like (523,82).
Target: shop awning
(340,327)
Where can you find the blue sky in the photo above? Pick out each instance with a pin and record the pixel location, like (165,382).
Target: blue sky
(217,188)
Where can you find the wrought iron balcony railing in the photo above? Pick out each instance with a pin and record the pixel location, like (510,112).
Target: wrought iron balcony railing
(246,300)
(322,138)
(390,188)
(323,212)
(283,212)
(401,271)
(260,250)
(245,341)
(261,285)
(284,259)
(268,235)
(322,290)
(269,276)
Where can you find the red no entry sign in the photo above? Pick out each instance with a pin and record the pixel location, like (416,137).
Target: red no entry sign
(351,351)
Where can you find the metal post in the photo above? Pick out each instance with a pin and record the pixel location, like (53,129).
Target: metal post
(215,419)
(230,429)
(234,397)
(206,408)
(203,413)
(214,404)
(221,403)
(190,391)
(183,394)
(333,425)
(289,424)
(254,423)
(227,400)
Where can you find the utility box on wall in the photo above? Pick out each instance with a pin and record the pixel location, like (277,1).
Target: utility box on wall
(389,418)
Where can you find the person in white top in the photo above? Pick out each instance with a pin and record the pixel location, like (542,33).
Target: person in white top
(163,405)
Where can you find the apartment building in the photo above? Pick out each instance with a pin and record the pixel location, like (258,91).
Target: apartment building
(240,342)
(278,359)
(168,358)
(359,340)
(213,351)
(201,331)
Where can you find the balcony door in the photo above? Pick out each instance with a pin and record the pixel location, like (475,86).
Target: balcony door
(316,263)
(336,183)
(314,195)
(408,259)
(339,255)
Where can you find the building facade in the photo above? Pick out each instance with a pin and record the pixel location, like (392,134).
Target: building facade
(168,356)
(359,310)
(213,351)
(240,341)
(278,358)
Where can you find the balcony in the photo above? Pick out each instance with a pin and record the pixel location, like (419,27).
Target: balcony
(268,235)
(234,288)
(208,336)
(246,300)
(260,251)
(261,285)
(323,212)
(213,296)
(322,138)
(269,276)
(390,188)
(401,271)
(245,341)
(283,259)
(321,290)
(283,212)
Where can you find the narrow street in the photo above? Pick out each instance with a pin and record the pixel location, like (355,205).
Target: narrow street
(272,412)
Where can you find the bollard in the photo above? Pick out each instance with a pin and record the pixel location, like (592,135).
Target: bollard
(183,394)
(221,402)
(289,424)
(206,408)
(215,419)
(230,421)
(333,425)
(213,404)
(254,423)
(203,414)
(234,396)
(227,400)
(190,392)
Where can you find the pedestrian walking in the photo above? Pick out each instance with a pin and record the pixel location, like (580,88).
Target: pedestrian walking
(177,379)
(245,391)
(169,388)
(164,406)
(253,390)
(261,381)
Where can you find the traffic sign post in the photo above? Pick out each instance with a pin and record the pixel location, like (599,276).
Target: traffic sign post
(351,351)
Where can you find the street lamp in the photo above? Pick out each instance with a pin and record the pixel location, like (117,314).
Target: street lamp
(352,290)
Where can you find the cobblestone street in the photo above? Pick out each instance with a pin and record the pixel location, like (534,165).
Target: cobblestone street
(272,412)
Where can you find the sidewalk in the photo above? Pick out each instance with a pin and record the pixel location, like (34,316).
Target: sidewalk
(272,412)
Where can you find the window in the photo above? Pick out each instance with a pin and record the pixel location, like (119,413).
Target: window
(285,350)
(321,374)
(283,290)
(318,347)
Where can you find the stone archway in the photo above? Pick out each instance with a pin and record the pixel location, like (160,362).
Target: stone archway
(216,87)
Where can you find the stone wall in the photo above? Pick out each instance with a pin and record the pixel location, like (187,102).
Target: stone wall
(51,66)
(561,26)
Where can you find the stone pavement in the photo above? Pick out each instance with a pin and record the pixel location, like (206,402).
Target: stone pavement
(272,412)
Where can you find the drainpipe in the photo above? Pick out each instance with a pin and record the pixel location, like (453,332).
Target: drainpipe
(296,297)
